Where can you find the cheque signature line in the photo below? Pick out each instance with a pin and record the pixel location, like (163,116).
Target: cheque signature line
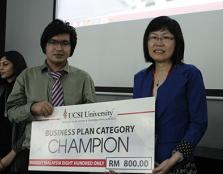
(129,113)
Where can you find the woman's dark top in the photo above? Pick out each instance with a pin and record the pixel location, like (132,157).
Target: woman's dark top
(5,124)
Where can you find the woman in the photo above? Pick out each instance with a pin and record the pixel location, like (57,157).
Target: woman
(12,64)
(181,107)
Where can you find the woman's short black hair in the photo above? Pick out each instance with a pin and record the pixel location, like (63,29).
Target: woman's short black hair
(160,23)
(18,61)
(56,27)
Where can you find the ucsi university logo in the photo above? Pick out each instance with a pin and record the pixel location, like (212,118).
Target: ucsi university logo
(85,114)
(65,114)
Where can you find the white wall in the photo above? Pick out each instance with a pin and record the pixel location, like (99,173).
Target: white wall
(26,20)
(117,49)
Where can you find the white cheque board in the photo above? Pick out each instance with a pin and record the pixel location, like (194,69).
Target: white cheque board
(97,137)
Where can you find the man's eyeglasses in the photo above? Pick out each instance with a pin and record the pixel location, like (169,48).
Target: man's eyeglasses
(165,39)
(63,43)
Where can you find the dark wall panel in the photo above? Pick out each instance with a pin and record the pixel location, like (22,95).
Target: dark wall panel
(2,24)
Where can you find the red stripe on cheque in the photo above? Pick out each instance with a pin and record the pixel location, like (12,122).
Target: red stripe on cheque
(129,113)
(68,162)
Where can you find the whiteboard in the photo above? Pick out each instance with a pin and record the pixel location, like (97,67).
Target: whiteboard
(113,53)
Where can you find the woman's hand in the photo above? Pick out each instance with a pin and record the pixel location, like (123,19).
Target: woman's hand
(7,160)
(112,172)
(163,168)
(1,165)
(167,164)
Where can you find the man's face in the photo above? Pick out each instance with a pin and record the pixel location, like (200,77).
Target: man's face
(58,49)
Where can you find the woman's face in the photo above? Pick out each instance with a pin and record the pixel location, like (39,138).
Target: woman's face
(6,68)
(161,45)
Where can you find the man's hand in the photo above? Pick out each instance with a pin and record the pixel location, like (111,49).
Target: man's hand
(42,108)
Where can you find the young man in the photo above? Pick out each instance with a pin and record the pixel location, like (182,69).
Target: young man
(35,93)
